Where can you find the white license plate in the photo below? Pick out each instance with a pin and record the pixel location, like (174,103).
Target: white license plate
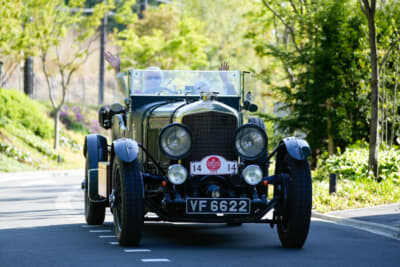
(220,205)
(213,165)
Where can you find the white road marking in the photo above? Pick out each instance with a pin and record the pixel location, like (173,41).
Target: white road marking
(155,260)
(100,231)
(137,250)
(107,236)
(90,226)
(114,243)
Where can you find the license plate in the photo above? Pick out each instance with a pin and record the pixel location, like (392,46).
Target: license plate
(220,205)
(213,165)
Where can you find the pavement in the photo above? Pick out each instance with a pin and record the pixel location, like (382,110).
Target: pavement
(383,214)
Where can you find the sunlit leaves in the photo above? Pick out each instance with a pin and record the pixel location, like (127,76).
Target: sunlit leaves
(164,38)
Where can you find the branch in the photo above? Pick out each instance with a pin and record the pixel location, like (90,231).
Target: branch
(387,54)
(294,6)
(7,75)
(46,75)
(284,23)
(301,7)
(363,8)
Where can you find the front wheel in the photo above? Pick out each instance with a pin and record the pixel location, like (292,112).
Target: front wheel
(128,210)
(295,212)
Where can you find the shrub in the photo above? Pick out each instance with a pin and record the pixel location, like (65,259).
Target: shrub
(352,164)
(22,110)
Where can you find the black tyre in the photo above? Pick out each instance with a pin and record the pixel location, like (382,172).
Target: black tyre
(94,211)
(128,208)
(235,224)
(295,213)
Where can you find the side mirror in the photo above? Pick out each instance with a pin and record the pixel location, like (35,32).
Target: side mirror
(105,117)
(252,108)
(106,113)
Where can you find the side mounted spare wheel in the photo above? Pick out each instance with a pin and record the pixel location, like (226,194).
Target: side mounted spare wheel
(294,211)
(128,207)
(95,150)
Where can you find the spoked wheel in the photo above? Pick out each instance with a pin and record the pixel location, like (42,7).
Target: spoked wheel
(128,210)
(94,211)
(295,212)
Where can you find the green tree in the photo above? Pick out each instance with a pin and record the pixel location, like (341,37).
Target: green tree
(16,39)
(320,48)
(164,38)
(52,22)
(226,25)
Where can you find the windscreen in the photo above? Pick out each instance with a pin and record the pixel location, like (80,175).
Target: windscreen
(177,82)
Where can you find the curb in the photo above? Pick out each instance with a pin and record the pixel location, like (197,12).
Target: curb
(376,228)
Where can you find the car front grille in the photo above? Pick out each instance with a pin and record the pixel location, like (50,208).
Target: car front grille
(212,134)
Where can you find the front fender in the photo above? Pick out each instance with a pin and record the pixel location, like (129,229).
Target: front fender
(125,149)
(297,148)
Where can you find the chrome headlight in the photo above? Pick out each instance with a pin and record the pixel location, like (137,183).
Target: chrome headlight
(250,141)
(252,174)
(175,141)
(177,174)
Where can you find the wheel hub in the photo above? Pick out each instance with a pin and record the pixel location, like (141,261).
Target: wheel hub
(112,198)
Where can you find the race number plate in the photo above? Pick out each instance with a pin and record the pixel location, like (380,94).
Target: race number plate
(213,165)
(219,205)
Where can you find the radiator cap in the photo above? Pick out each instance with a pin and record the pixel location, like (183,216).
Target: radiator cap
(208,95)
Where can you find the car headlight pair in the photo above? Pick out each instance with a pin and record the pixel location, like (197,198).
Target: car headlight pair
(250,141)
(175,141)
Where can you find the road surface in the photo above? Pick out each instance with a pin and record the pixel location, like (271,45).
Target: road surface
(42,224)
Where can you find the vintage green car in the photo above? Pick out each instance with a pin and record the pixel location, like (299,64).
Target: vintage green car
(182,151)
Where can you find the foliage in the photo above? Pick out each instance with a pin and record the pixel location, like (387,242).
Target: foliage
(321,49)
(13,152)
(30,139)
(352,164)
(8,164)
(356,186)
(52,22)
(22,149)
(70,143)
(173,45)
(23,111)
(225,25)
(74,119)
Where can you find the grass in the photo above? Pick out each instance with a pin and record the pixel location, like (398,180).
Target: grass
(356,187)
(354,194)
(8,164)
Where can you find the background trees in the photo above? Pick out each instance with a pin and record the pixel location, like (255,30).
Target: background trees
(323,48)
(313,56)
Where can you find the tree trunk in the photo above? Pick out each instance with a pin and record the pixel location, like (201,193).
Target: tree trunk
(329,126)
(373,133)
(56,128)
(394,103)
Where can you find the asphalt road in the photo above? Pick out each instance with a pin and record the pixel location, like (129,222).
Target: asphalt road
(41,224)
